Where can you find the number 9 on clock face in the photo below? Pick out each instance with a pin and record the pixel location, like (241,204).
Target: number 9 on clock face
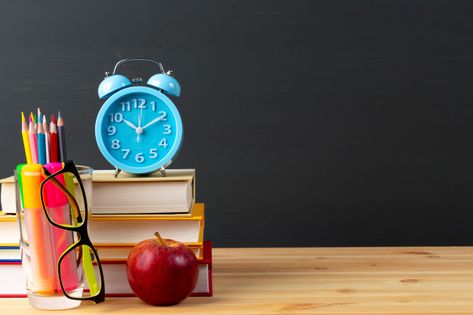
(139,131)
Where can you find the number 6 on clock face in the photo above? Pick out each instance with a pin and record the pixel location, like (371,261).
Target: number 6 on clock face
(139,130)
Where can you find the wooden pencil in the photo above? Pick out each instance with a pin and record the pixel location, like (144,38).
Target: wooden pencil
(46,138)
(53,141)
(33,119)
(33,142)
(26,139)
(38,118)
(61,138)
(41,144)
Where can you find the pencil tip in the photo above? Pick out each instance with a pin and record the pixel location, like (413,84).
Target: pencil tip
(22,116)
(53,119)
(60,120)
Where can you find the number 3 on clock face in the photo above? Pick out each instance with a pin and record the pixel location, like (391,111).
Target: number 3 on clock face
(139,131)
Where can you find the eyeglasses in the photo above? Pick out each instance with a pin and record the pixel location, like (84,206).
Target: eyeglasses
(61,207)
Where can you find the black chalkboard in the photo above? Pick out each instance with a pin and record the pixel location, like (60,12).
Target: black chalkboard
(310,123)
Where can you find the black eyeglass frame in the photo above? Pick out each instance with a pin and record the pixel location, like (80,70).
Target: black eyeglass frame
(81,228)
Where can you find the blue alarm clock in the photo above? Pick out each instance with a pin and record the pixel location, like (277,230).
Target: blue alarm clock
(138,128)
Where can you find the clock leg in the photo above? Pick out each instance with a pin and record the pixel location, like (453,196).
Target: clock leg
(163,171)
(117,171)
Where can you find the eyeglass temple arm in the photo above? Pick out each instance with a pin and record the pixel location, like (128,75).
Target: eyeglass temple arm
(71,192)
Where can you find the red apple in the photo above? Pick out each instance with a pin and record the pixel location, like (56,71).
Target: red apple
(161,271)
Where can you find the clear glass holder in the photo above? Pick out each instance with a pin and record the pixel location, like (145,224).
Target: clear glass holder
(40,265)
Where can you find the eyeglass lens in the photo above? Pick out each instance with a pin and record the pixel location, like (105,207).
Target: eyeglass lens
(63,199)
(76,265)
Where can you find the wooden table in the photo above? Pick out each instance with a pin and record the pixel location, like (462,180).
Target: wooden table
(395,280)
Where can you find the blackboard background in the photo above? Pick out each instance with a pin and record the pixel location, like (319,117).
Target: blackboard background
(310,123)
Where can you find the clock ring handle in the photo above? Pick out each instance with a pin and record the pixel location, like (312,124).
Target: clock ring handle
(160,65)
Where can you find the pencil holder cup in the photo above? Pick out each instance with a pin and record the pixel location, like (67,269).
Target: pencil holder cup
(54,280)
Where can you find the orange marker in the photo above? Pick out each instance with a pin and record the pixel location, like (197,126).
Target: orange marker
(43,269)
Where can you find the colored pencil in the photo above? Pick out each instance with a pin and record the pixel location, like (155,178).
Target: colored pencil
(41,144)
(53,141)
(39,120)
(62,138)
(46,138)
(33,142)
(26,140)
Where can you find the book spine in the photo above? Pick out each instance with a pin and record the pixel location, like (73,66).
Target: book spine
(10,261)
(5,296)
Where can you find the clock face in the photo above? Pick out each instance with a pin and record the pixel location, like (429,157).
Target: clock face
(139,130)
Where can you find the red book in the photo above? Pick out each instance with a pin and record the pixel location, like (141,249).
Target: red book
(204,281)
(13,282)
(116,281)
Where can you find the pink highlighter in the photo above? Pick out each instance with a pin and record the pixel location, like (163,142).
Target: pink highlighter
(59,211)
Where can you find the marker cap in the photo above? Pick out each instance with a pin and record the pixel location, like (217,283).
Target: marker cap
(31,179)
(54,197)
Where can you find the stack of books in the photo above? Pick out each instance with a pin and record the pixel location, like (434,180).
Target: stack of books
(125,211)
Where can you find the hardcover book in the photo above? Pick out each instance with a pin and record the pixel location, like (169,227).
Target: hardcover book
(128,194)
(153,194)
(13,282)
(116,280)
(123,229)
(9,230)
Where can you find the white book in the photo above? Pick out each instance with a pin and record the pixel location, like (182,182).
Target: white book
(128,194)
(8,197)
(152,194)
(126,229)
(9,230)
(10,253)
(13,279)
(131,229)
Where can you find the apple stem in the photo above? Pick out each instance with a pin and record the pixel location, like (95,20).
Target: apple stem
(160,239)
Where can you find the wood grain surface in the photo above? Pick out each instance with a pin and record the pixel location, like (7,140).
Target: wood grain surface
(380,280)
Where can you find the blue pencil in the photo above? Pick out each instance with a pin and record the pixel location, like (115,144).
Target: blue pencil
(41,145)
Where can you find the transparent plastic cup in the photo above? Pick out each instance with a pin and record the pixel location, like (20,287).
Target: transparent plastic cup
(42,243)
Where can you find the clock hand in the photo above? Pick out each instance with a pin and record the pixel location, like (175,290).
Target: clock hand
(153,122)
(139,130)
(129,123)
